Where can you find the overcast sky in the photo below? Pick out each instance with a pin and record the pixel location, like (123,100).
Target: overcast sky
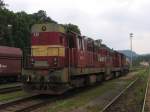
(109,20)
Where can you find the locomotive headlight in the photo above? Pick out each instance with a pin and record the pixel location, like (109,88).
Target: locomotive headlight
(32,61)
(55,60)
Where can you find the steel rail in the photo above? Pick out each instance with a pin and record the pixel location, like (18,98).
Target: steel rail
(10,89)
(37,105)
(13,102)
(26,104)
(146,92)
(118,96)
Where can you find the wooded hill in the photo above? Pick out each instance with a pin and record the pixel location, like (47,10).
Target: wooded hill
(136,57)
(15,27)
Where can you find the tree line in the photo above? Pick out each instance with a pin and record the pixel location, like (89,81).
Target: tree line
(15,28)
(141,58)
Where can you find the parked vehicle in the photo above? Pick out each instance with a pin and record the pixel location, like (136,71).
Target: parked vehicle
(10,64)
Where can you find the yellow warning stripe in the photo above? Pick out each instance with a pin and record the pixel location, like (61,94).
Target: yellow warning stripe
(48,50)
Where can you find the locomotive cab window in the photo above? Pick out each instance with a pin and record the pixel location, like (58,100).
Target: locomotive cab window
(80,43)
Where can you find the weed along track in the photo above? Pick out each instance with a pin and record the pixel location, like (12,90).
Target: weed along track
(92,99)
(110,107)
(130,99)
(24,104)
(10,89)
(146,103)
(71,99)
(31,103)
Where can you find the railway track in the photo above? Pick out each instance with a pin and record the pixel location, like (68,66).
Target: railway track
(110,106)
(25,104)
(31,103)
(10,89)
(146,103)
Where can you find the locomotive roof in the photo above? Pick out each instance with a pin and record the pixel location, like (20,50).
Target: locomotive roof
(47,27)
(10,51)
(74,33)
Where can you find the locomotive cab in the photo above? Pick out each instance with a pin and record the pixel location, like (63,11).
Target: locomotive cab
(48,46)
(47,60)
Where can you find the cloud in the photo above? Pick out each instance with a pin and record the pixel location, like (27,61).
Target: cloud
(110,20)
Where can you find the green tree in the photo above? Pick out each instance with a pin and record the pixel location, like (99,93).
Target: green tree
(71,27)
(141,58)
(18,35)
(15,28)
(2,4)
(6,20)
(41,17)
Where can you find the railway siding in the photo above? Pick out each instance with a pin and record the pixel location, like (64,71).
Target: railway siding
(91,100)
(146,103)
(131,99)
(86,100)
(19,104)
(10,89)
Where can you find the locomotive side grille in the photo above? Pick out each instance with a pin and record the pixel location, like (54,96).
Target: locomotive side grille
(41,63)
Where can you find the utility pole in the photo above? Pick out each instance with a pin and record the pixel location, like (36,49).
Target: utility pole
(9,26)
(131,35)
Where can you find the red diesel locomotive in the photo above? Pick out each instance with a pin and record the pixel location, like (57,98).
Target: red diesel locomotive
(63,60)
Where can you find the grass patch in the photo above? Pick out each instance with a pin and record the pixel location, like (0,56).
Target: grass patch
(140,89)
(8,85)
(76,101)
(13,95)
(85,97)
(135,97)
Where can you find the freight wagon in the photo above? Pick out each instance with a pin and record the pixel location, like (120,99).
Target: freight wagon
(10,63)
(61,60)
